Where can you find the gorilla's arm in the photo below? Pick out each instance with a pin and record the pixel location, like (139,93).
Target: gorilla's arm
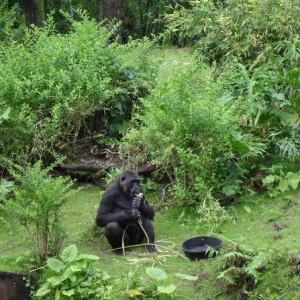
(106,212)
(142,205)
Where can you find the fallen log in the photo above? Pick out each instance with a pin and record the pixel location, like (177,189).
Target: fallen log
(83,167)
(94,168)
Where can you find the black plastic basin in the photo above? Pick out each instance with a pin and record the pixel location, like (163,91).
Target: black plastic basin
(196,247)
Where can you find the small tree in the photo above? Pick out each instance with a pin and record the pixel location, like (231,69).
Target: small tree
(37,206)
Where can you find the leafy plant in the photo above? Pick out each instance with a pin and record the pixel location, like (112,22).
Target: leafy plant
(242,269)
(59,86)
(37,205)
(185,123)
(166,289)
(225,30)
(5,188)
(277,182)
(211,214)
(74,276)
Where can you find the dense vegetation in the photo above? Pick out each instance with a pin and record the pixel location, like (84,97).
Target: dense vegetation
(219,123)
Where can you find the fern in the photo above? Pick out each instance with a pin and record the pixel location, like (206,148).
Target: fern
(227,276)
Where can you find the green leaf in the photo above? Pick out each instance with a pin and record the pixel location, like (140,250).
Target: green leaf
(187,277)
(55,280)
(67,274)
(293,180)
(229,190)
(283,185)
(5,116)
(133,293)
(69,253)
(238,146)
(5,188)
(57,295)
(55,264)
(68,293)
(167,290)
(87,256)
(247,209)
(44,290)
(268,179)
(156,273)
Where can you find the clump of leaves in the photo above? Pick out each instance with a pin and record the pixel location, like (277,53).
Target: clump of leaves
(277,181)
(211,213)
(185,124)
(165,289)
(241,269)
(37,202)
(5,188)
(73,276)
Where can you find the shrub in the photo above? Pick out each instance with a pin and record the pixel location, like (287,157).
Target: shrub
(245,30)
(185,125)
(37,203)
(74,276)
(60,86)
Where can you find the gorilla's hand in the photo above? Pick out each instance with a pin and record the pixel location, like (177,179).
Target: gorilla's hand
(137,202)
(132,214)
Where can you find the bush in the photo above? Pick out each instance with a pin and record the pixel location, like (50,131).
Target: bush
(60,86)
(37,203)
(185,126)
(245,30)
(74,276)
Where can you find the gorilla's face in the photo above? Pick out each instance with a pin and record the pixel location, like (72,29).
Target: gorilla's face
(130,184)
(134,188)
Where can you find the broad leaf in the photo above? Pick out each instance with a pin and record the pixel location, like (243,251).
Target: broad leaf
(69,253)
(187,277)
(238,146)
(156,273)
(68,293)
(5,188)
(293,180)
(167,289)
(44,290)
(87,256)
(133,293)
(268,179)
(283,185)
(57,295)
(55,264)
(229,190)
(55,280)
(5,116)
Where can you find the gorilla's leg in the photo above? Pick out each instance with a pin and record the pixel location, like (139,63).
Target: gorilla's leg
(114,234)
(148,227)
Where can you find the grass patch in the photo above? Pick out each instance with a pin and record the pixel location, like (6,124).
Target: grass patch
(253,227)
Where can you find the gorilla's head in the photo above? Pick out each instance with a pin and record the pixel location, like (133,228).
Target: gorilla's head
(130,183)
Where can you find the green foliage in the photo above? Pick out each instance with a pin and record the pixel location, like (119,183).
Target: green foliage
(37,203)
(211,214)
(112,175)
(185,125)
(166,290)
(242,269)
(74,276)
(244,30)
(57,85)
(144,18)
(7,19)
(277,182)
(5,188)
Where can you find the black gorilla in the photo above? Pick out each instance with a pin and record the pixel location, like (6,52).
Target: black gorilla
(121,210)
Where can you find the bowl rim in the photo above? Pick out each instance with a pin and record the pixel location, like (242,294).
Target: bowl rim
(201,236)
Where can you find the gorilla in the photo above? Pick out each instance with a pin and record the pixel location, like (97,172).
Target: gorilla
(122,211)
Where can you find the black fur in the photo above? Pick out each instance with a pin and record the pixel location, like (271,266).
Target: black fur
(120,210)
